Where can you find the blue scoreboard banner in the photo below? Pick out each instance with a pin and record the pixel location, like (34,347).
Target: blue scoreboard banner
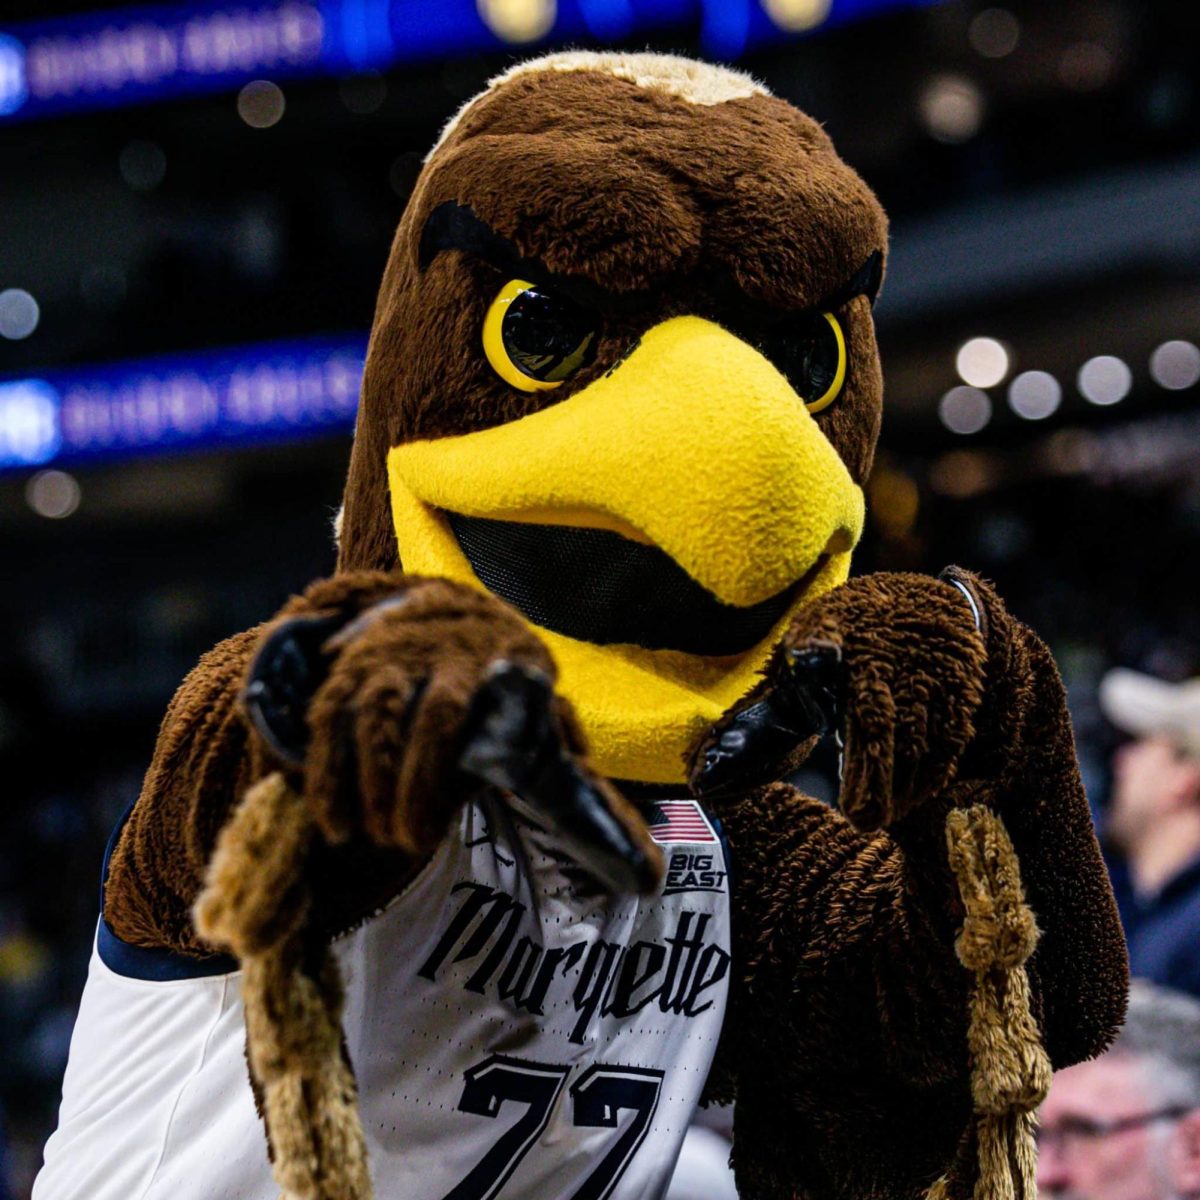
(138,55)
(270,391)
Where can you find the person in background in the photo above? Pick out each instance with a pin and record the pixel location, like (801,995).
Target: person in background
(1126,1125)
(1154,822)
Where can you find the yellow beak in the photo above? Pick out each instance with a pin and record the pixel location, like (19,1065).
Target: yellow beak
(694,444)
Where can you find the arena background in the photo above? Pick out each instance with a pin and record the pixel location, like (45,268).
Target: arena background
(195,207)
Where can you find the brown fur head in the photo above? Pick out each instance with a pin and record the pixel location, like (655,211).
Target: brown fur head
(659,187)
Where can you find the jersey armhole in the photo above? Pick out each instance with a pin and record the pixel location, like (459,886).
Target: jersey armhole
(156,964)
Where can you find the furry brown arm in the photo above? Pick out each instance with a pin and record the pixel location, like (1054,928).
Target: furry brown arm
(847,1036)
(201,763)
(1022,762)
(845,1039)
(205,757)
(383,772)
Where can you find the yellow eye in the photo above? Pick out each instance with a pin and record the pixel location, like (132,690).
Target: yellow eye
(536,338)
(811,352)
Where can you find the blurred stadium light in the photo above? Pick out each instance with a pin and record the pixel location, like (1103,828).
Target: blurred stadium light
(138,55)
(282,389)
(185,401)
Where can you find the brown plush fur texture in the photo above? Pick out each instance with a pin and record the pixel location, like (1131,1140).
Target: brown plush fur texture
(846,1041)
(381,779)
(721,211)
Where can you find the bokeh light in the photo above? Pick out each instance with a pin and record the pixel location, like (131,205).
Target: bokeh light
(982,362)
(798,15)
(1104,379)
(19,314)
(951,107)
(518,20)
(1034,395)
(1175,365)
(965,410)
(261,104)
(994,32)
(29,426)
(53,494)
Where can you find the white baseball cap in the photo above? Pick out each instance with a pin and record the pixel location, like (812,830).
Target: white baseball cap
(1149,707)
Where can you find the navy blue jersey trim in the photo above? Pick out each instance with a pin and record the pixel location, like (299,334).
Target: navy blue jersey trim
(157,964)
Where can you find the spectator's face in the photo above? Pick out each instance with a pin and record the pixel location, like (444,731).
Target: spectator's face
(1150,778)
(1078,1162)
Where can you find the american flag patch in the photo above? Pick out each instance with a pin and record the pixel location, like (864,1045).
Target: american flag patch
(680,821)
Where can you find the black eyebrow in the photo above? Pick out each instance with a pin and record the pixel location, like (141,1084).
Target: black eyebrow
(750,316)
(864,282)
(454,226)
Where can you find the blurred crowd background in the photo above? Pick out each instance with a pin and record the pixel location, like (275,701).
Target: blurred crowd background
(195,207)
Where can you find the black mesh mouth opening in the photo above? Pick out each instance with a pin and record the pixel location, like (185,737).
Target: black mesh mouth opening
(597,586)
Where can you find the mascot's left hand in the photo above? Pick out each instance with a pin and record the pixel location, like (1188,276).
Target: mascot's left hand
(897,665)
(963,854)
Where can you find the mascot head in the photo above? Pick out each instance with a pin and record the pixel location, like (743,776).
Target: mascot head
(623,374)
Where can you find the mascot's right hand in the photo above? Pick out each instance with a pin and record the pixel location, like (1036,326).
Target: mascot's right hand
(397,698)
(896,665)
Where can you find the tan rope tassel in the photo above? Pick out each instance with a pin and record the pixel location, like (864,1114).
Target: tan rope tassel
(254,904)
(1010,1070)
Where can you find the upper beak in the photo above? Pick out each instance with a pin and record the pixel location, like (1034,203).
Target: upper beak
(694,443)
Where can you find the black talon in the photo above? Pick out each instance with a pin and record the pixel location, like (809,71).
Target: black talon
(508,736)
(813,685)
(805,701)
(512,741)
(289,667)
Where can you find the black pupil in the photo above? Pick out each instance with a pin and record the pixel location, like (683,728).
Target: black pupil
(548,337)
(806,351)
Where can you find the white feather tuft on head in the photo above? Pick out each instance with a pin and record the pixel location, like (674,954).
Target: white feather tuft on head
(697,82)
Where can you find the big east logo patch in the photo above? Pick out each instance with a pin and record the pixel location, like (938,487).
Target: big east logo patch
(692,872)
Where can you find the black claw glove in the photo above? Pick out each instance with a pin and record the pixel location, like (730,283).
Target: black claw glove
(397,712)
(803,702)
(513,740)
(285,674)
(895,664)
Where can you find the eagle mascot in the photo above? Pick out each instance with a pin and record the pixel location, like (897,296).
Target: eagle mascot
(477,868)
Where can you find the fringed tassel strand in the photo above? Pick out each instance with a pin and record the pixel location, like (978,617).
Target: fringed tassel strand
(1010,1071)
(254,904)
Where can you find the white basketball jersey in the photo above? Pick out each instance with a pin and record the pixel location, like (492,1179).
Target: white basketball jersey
(514,1033)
